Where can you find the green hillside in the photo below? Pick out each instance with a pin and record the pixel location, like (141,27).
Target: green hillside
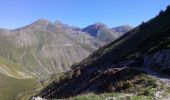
(16,89)
(12,69)
(15,81)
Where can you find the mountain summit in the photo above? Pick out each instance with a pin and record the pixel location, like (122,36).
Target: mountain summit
(103,33)
(100,31)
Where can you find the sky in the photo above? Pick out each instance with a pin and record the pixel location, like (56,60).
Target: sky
(81,13)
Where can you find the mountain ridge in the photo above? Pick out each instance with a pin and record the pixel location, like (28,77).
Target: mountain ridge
(35,52)
(34,43)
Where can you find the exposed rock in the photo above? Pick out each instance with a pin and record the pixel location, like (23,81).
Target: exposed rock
(38,98)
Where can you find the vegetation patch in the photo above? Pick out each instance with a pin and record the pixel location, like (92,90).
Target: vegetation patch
(110,96)
(16,89)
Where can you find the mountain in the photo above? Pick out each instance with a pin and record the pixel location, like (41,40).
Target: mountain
(100,31)
(33,53)
(44,48)
(135,66)
(105,34)
(120,30)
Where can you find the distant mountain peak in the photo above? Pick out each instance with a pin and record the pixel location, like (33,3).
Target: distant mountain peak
(98,25)
(125,26)
(95,26)
(42,22)
(38,24)
(122,28)
(60,24)
(101,31)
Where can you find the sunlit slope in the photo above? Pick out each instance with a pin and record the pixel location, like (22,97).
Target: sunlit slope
(16,82)
(13,88)
(14,70)
(42,52)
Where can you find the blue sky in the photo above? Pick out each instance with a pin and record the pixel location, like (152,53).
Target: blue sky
(17,13)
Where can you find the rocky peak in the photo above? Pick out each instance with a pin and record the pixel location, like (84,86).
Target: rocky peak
(100,25)
(122,28)
(94,29)
(97,26)
(100,31)
(38,24)
(41,22)
(59,24)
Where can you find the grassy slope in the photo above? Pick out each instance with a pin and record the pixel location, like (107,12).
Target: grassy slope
(21,55)
(13,69)
(13,88)
(14,85)
(110,96)
(9,50)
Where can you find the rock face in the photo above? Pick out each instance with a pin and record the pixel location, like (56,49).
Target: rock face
(38,98)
